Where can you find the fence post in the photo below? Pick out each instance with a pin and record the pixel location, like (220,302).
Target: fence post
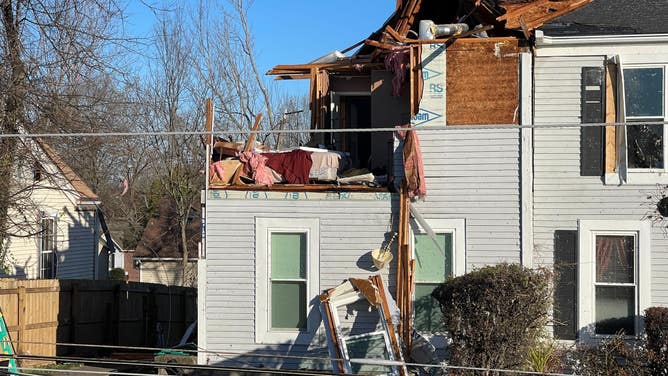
(116,315)
(184,303)
(74,320)
(20,349)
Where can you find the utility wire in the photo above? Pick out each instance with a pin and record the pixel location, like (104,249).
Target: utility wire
(116,362)
(376,362)
(157,349)
(71,371)
(422,128)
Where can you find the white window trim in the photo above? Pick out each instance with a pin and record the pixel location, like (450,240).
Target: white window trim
(263,228)
(638,176)
(53,251)
(588,229)
(458,229)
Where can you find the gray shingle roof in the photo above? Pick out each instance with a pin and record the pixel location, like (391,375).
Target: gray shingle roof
(612,17)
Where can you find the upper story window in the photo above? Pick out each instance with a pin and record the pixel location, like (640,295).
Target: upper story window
(644,101)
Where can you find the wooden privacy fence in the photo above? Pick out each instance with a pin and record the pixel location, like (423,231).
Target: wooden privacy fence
(41,313)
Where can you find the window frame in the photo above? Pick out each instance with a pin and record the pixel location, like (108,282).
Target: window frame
(264,227)
(457,228)
(588,231)
(43,234)
(644,175)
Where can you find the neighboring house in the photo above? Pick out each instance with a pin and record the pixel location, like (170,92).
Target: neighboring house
(599,191)
(57,226)
(270,251)
(158,257)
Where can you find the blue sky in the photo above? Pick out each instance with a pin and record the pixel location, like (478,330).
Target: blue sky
(293,31)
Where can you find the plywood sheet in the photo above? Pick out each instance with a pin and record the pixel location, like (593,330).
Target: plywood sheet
(610,117)
(483,81)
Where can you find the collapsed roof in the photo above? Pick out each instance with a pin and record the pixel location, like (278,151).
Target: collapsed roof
(491,17)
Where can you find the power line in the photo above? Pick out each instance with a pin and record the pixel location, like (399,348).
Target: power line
(421,128)
(116,362)
(156,349)
(376,362)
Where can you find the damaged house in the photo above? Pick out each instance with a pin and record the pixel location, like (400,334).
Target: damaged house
(410,207)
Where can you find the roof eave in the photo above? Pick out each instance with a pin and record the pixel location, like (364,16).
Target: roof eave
(543,40)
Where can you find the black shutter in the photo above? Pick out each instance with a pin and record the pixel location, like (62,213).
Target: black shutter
(566,286)
(592,104)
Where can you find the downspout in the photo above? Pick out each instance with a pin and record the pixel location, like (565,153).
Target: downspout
(96,244)
(526,159)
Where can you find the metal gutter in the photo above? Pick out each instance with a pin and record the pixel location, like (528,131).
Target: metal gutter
(543,40)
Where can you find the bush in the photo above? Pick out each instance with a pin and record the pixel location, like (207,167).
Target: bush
(117,274)
(495,315)
(656,328)
(613,357)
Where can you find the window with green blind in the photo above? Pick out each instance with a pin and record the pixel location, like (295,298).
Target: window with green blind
(287,262)
(288,280)
(432,267)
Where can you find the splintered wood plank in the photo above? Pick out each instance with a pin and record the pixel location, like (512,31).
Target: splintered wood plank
(385,46)
(482,81)
(610,117)
(209,121)
(249,145)
(293,77)
(312,95)
(536,13)
(394,34)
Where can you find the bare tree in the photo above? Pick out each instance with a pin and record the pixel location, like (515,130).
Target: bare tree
(227,67)
(168,95)
(51,49)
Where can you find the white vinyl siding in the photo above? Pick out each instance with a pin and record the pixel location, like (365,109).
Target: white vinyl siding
(348,230)
(76,241)
(474,174)
(561,195)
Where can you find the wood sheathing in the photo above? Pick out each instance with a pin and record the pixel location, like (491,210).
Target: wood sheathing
(482,81)
(610,117)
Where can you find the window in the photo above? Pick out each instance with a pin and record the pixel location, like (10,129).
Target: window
(432,267)
(287,270)
(37,171)
(47,249)
(614,276)
(644,101)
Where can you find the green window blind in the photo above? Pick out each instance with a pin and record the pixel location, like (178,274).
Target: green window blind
(431,268)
